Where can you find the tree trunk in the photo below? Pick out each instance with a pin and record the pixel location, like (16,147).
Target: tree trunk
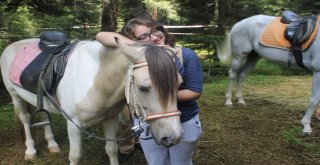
(132,8)
(218,16)
(109,16)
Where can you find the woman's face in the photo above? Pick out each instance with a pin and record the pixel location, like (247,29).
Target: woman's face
(149,35)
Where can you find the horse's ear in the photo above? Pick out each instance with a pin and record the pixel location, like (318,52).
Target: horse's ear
(130,51)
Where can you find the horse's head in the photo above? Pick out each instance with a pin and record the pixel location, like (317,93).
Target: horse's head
(152,90)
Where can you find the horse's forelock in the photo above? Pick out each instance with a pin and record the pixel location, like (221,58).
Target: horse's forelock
(163,72)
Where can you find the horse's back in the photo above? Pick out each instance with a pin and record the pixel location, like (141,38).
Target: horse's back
(8,56)
(245,34)
(10,51)
(251,25)
(82,62)
(6,60)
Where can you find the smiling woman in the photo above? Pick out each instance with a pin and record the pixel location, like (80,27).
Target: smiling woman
(144,29)
(146,37)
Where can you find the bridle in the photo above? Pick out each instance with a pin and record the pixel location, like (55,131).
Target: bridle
(139,110)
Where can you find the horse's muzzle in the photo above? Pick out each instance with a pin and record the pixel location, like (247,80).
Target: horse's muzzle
(170,141)
(165,141)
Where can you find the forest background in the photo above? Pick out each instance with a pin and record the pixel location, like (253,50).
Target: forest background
(263,132)
(198,24)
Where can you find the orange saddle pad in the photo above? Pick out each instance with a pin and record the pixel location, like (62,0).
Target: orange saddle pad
(273,35)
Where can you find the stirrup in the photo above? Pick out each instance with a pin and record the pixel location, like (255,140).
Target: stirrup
(41,123)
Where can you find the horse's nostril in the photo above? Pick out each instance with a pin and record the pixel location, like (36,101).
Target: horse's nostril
(164,139)
(166,142)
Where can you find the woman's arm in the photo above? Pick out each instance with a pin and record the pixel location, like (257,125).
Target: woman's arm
(186,95)
(192,86)
(107,38)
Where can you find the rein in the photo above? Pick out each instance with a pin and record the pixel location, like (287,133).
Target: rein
(136,102)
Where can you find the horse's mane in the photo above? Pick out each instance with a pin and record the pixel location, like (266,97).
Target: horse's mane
(163,72)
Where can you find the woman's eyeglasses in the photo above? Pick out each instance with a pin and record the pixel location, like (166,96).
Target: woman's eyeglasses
(147,36)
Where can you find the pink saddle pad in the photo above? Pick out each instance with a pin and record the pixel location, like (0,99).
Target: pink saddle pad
(23,57)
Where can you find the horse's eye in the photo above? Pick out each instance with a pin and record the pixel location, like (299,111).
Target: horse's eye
(143,88)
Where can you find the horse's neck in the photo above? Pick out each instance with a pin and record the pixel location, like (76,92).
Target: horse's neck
(112,73)
(109,56)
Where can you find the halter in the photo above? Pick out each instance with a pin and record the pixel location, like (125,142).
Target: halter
(137,104)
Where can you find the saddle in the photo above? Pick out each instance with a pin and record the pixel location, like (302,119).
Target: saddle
(44,73)
(51,61)
(299,29)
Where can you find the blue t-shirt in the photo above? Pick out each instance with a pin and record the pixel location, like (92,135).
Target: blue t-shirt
(191,72)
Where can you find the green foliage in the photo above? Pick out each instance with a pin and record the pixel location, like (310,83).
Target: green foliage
(307,5)
(3,44)
(80,19)
(265,67)
(272,7)
(195,11)
(2,16)
(243,9)
(21,24)
(128,7)
(61,22)
(88,11)
(213,69)
(86,16)
(165,10)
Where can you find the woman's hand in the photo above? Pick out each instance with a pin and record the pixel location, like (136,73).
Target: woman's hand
(107,38)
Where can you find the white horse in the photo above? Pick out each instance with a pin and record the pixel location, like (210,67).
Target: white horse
(243,46)
(92,92)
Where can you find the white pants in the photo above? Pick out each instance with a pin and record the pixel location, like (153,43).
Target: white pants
(179,154)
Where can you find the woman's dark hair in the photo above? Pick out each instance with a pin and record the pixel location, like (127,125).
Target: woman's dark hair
(146,20)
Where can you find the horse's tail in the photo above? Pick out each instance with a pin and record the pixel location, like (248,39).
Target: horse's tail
(224,50)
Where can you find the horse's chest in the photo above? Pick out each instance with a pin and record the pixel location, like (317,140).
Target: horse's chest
(93,113)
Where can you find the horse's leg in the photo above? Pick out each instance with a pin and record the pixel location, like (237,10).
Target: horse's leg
(250,63)
(75,140)
(233,73)
(314,100)
(53,147)
(20,108)
(110,131)
(52,144)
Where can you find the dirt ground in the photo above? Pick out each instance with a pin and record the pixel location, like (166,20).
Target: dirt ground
(264,132)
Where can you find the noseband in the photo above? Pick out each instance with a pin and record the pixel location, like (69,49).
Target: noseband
(130,87)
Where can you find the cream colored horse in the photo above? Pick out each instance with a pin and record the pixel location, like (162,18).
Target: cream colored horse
(92,92)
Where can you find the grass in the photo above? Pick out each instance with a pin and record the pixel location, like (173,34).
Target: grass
(265,131)
(257,133)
